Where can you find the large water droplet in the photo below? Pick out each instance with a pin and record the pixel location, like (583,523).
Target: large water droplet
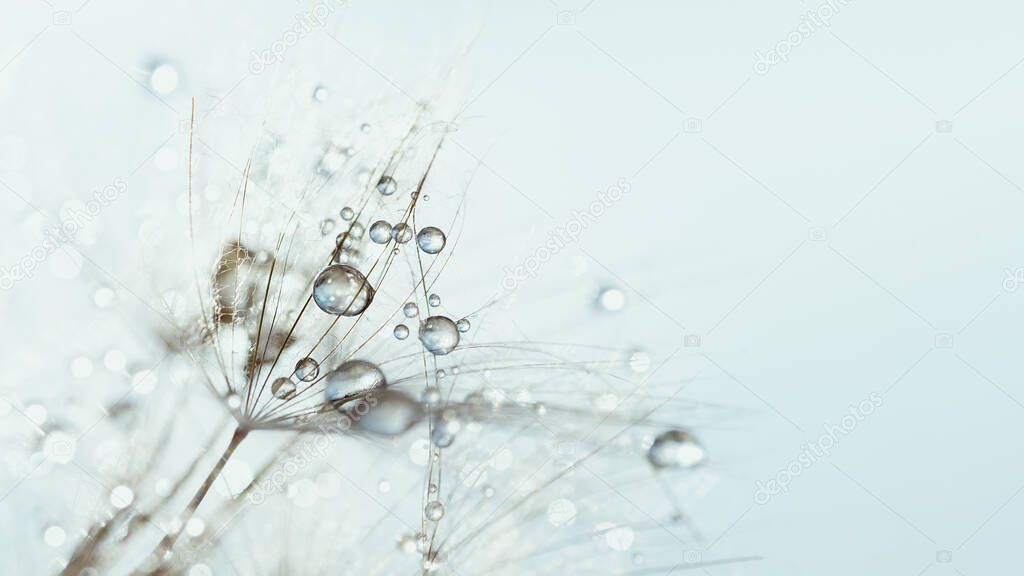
(390,413)
(430,239)
(675,449)
(352,379)
(387,185)
(439,335)
(307,369)
(282,388)
(342,290)
(380,232)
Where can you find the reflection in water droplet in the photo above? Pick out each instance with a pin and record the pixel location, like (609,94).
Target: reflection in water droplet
(307,369)
(342,290)
(282,388)
(387,185)
(380,232)
(439,335)
(430,239)
(401,232)
(351,379)
(675,449)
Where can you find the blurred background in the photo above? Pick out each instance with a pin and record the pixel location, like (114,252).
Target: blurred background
(805,212)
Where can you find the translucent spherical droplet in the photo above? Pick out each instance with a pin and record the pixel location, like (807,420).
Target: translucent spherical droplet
(387,185)
(430,239)
(401,232)
(611,299)
(163,79)
(389,413)
(356,230)
(307,369)
(326,226)
(445,429)
(342,290)
(54,536)
(411,310)
(463,325)
(434,510)
(365,128)
(350,380)
(321,94)
(401,332)
(439,335)
(380,232)
(282,388)
(675,449)
(347,213)
(433,300)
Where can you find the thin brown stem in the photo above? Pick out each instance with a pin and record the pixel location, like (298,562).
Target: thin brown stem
(168,541)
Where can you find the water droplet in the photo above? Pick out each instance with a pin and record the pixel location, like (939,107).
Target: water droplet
(393,414)
(307,369)
(282,388)
(430,239)
(347,213)
(611,299)
(439,335)
(356,230)
(675,449)
(401,232)
(639,361)
(463,325)
(350,380)
(440,373)
(401,332)
(233,400)
(163,79)
(321,94)
(434,300)
(387,185)
(488,491)
(54,536)
(380,232)
(342,290)
(365,128)
(445,429)
(326,226)
(411,310)
(434,510)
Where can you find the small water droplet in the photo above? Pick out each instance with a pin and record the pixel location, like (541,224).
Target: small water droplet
(463,325)
(611,299)
(380,232)
(282,388)
(121,497)
(387,185)
(307,369)
(401,332)
(434,510)
(347,213)
(430,239)
(401,232)
(321,94)
(434,300)
(675,449)
(163,79)
(326,226)
(411,310)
